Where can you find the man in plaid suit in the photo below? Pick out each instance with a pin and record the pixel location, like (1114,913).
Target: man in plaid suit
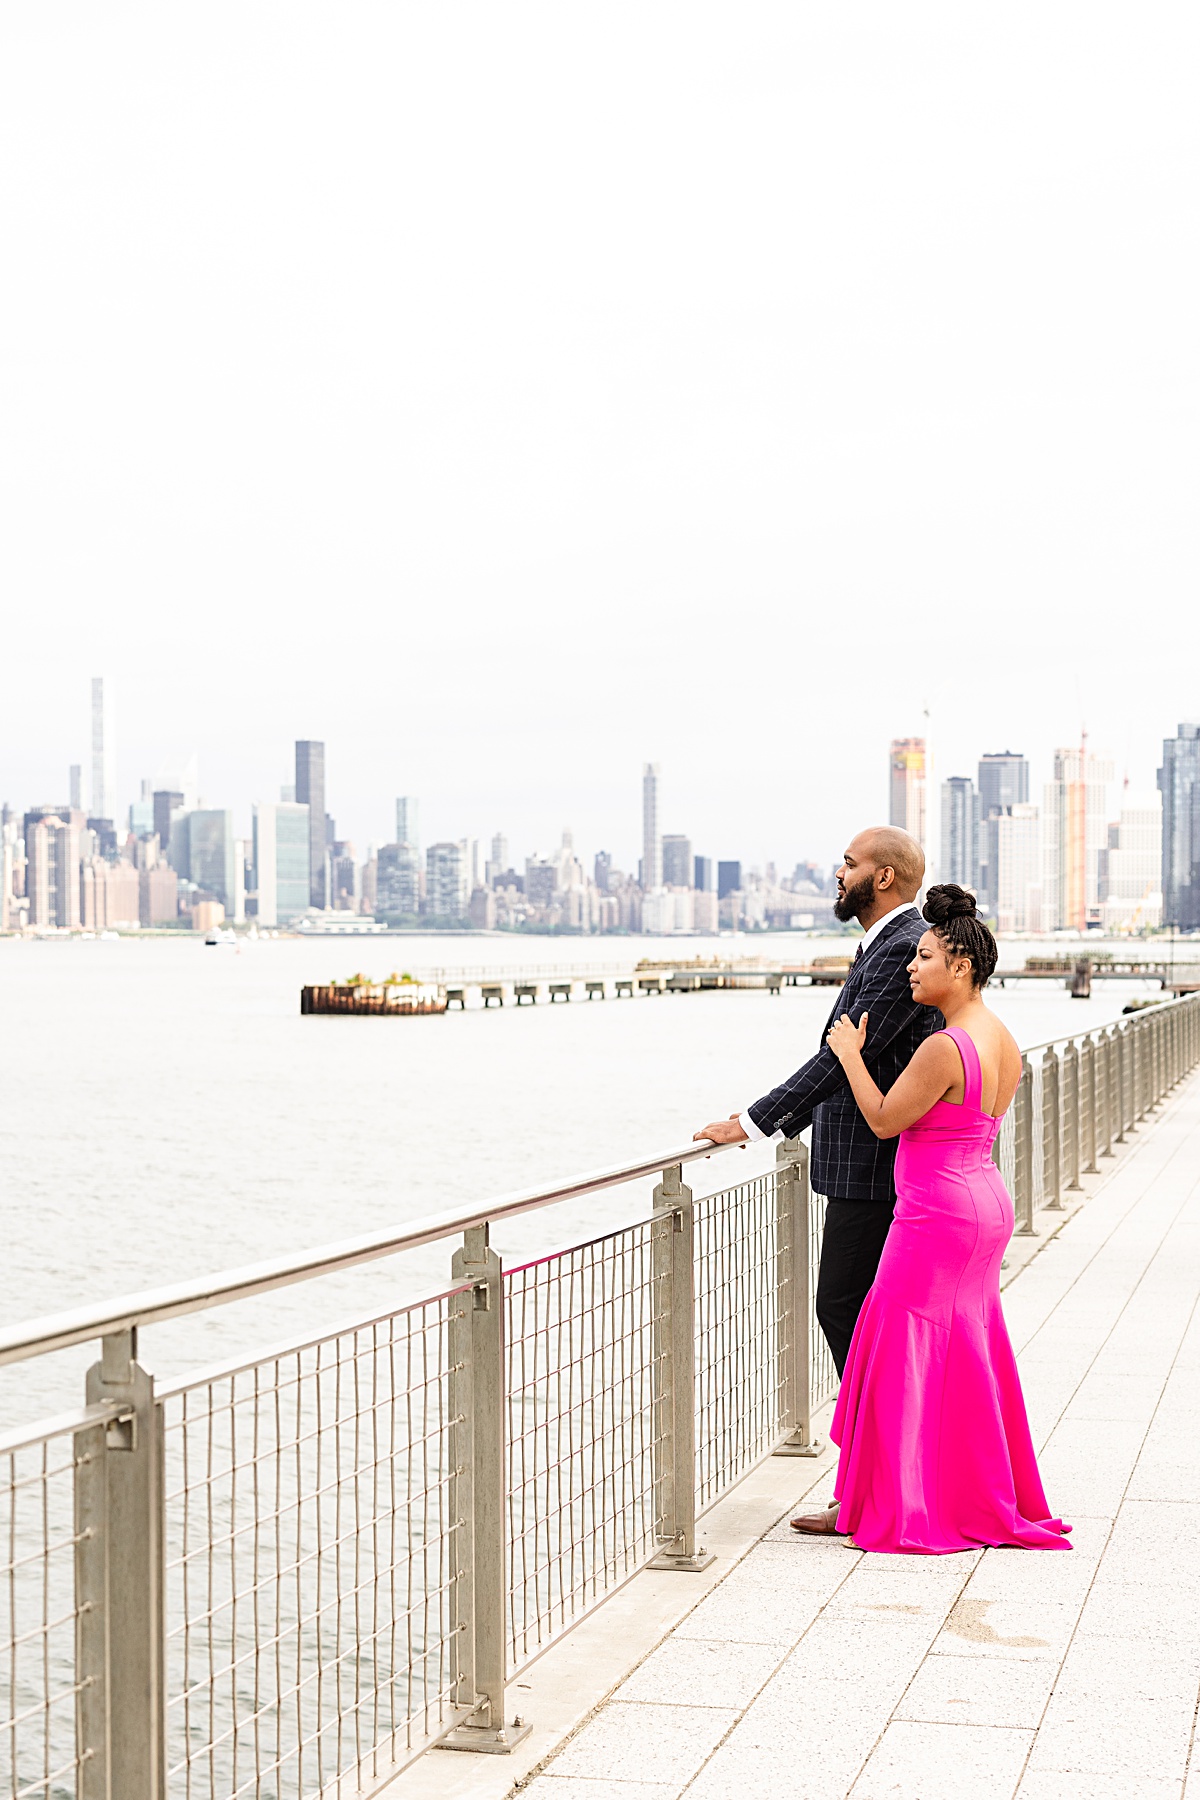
(878,883)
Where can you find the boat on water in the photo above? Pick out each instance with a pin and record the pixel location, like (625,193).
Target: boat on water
(221,935)
(400,996)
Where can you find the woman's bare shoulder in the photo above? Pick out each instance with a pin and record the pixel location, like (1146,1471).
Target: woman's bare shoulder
(1007,1048)
(939,1051)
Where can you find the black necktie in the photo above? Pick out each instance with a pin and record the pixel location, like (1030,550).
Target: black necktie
(858,953)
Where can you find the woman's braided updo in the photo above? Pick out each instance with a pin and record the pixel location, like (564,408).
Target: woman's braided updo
(950,912)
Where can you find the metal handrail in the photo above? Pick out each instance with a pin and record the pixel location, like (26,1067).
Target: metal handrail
(1071,1037)
(59,1331)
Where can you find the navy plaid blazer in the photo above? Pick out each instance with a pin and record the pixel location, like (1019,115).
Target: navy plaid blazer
(848,1161)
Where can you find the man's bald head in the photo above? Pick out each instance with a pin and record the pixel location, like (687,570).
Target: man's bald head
(882,868)
(886,847)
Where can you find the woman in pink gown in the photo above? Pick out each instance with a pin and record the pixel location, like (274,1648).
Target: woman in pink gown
(936,1454)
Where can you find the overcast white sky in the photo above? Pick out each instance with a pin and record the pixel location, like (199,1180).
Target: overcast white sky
(511,393)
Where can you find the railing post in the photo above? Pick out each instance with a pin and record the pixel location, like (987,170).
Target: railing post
(1070,1086)
(1139,1046)
(1168,1051)
(1118,1084)
(675,1374)
(1051,1133)
(119,1650)
(1104,1066)
(1087,1085)
(793,1278)
(1023,1146)
(481,1591)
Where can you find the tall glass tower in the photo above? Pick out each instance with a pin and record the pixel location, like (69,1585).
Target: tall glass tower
(310,792)
(104,780)
(960,832)
(652,871)
(407,828)
(1003,781)
(906,769)
(1179,781)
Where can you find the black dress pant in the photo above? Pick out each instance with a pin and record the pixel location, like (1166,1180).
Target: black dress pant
(855,1233)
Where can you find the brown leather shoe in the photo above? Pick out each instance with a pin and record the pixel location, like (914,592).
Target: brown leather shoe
(822,1524)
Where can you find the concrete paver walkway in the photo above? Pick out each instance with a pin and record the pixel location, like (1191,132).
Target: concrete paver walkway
(813,1672)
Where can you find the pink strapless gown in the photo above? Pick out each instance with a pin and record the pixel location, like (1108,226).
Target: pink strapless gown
(935,1447)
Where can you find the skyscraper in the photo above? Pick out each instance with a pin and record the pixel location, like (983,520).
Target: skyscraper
(407,823)
(906,761)
(1074,831)
(1179,784)
(1003,784)
(729,879)
(76,787)
(1131,866)
(310,792)
(104,783)
(210,855)
(652,870)
(704,875)
(677,870)
(1003,781)
(52,849)
(281,861)
(960,832)
(1015,858)
(168,807)
(446,893)
(397,882)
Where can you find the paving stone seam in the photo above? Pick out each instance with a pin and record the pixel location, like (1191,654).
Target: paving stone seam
(859,1559)
(792,1647)
(543,1767)
(1116,1516)
(1191,1764)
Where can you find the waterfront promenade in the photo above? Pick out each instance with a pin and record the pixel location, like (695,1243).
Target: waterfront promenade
(807,1670)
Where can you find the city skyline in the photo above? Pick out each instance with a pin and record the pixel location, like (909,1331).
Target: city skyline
(794,839)
(1081,852)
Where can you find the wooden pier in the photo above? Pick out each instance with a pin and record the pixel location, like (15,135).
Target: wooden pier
(437,991)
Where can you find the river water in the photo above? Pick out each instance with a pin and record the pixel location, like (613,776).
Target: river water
(165,1110)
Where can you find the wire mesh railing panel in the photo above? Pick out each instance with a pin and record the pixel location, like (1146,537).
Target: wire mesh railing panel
(39,1756)
(311,1525)
(1037,1110)
(1087,1103)
(1006,1150)
(737,1333)
(583,1435)
(823,1376)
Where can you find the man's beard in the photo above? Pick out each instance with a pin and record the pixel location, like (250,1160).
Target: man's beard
(850,904)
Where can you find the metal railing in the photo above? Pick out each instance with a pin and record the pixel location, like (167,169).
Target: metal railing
(286,1576)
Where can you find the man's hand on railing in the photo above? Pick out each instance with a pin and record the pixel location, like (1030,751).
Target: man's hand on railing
(723,1131)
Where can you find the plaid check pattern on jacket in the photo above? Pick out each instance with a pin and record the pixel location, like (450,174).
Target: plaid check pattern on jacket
(848,1161)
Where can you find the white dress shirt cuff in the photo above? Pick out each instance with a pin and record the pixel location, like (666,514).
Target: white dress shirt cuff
(751,1129)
